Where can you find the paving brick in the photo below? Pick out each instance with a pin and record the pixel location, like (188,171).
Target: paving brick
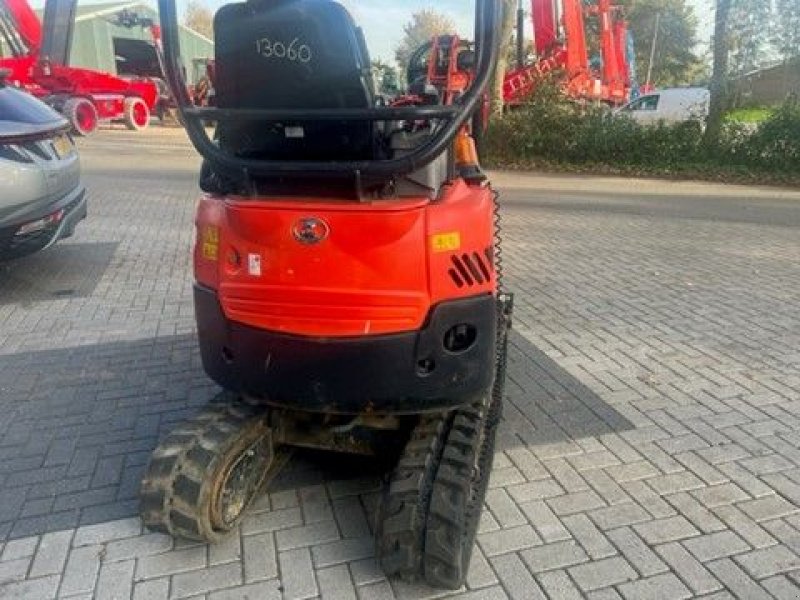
(80,574)
(535,490)
(480,574)
(699,515)
(178,561)
(308,535)
(376,591)
(351,517)
(637,553)
(343,551)
(694,574)
(665,586)
(297,574)
(716,545)
(516,579)
(781,588)
(769,507)
(666,530)
(51,554)
(578,502)
(185,585)
(272,521)
(741,524)
(20,548)
(632,472)
(619,515)
(734,578)
(229,549)
(335,583)
(366,571)
(557,584)
(13,570)
(265,590)
(138,547)
(769,561)
(107,532)
(719,495)
(41,588)
(153,589)
(547,525)
(554,556)
(675,482)
(643,495)
(508,540)
(115,581)
(602,573)
(260,561)
(592,540)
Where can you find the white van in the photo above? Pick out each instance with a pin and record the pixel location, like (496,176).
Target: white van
(672,105)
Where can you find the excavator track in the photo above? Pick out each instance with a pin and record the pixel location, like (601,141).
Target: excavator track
(432,503)
(202,477)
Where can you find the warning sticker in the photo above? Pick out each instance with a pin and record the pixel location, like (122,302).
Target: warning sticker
(254,265)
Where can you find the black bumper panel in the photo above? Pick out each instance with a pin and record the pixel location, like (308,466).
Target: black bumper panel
(379,374)
(75,210)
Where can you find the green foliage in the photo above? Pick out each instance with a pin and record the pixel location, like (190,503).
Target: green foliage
(753,115)
(423,26)
(675,63)
(552,131)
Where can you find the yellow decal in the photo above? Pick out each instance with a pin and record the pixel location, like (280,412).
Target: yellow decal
(210,240)
(446,242)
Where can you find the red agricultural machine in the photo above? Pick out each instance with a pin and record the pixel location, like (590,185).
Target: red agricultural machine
(565,50)
(39,63)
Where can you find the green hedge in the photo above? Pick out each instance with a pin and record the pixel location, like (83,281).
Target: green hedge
(552,131)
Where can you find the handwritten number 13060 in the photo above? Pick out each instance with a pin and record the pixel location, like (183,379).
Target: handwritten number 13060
(294,51)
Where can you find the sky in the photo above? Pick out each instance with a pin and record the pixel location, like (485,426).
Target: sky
(382,20)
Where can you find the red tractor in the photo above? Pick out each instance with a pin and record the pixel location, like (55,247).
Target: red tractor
(39,64)
(348,287)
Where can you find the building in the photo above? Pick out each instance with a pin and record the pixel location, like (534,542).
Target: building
(768,86)
(102,42)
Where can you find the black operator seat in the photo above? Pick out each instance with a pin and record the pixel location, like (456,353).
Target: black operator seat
(293,54)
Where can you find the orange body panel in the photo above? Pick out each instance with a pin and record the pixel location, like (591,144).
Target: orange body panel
(378,270)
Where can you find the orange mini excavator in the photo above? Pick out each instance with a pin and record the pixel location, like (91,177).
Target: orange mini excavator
(347,291)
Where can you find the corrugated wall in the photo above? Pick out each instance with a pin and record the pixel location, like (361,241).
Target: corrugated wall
(93,43)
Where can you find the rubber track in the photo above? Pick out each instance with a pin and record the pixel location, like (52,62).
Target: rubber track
(404,507)
(173,494)
(431,506)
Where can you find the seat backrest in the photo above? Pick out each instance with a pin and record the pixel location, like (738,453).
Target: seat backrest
(292,54)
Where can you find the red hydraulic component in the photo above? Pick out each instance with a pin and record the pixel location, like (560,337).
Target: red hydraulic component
(569,53)
(544,25)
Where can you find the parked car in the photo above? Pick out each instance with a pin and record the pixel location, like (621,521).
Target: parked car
(41,195)
(672,105)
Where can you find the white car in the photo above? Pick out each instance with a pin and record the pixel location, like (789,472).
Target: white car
(41,195)
(672,105)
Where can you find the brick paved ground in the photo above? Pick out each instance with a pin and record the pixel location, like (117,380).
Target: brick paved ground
(651,447)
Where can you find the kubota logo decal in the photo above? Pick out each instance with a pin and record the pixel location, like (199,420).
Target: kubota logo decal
(310,230)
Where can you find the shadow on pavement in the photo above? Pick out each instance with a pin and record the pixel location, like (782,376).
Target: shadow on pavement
(77,425)
(61,271)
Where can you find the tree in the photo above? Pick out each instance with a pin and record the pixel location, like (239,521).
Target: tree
(506,45)
(675,60)
(748,34)
(423,26)
(199,18)
(385,78)
(719,78)
(786,29)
